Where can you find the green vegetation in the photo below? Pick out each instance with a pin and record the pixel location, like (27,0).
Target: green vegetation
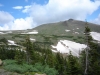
(92,56)
(36,57)
(11,65)
(49,30)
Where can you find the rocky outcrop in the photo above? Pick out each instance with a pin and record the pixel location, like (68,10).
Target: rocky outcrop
(1,62)
(39,74)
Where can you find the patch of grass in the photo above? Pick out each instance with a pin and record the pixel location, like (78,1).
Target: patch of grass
(8,62)
(18,68)
(11,65)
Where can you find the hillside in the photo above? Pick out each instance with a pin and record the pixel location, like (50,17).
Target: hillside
(70,30)
(60,27)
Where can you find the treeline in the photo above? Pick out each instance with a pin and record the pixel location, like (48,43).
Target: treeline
(85,64)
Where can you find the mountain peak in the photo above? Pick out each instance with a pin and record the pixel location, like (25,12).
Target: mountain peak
(70,19)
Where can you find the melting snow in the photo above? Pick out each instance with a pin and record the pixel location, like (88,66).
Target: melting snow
(34,32)
(95,35)
(77,28)
(11,42)
(76,32)
(67,30)
(54,51)
(65,46)
(2,33)
(32,39)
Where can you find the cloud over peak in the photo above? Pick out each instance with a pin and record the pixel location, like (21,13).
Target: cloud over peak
(53,11)
(57,10)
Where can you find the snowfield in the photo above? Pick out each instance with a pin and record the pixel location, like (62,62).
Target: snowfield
(65,46)
(95,35)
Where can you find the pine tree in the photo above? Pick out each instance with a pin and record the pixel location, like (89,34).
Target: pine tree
(19,56)
(92,55)
(50,58)
(73,66)
(29,50)
(60,63)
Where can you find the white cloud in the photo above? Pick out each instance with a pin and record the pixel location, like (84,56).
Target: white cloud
(5,27)
(53,11)
(97,20)
(5,17)
(57,10)
(26,8)
(9,23)
(19,24)
(18,7)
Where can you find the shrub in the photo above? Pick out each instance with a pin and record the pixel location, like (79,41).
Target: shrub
(45,69)
(7,62)
(11,65)
(50,71)
(19,68)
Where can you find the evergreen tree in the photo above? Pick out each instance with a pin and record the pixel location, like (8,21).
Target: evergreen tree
(50,58)
(29,50)
(60,63)
(20,56)
(73,66)
(92,55)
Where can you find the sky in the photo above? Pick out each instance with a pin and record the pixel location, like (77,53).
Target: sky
(26,14)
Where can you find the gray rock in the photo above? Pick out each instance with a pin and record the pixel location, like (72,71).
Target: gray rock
(1,62)
(39,74)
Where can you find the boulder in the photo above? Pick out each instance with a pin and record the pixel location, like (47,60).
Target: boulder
(39,74)
(1,62)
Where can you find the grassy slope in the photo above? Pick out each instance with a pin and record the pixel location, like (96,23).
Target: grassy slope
(60,27)
(55,29)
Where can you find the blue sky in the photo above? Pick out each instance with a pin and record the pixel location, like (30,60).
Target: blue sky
(24,14)
(8,4)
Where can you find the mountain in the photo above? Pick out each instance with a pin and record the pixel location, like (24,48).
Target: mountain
(65,35)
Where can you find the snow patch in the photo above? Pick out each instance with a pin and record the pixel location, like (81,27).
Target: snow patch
(11,42)
(67,30)
(33,32)
(95,35)
(65,46)
(77,28)
(32,39)
(2,33)
(54,51)
(76,32)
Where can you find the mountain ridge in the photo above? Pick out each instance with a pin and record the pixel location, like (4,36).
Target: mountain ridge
(70,30)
